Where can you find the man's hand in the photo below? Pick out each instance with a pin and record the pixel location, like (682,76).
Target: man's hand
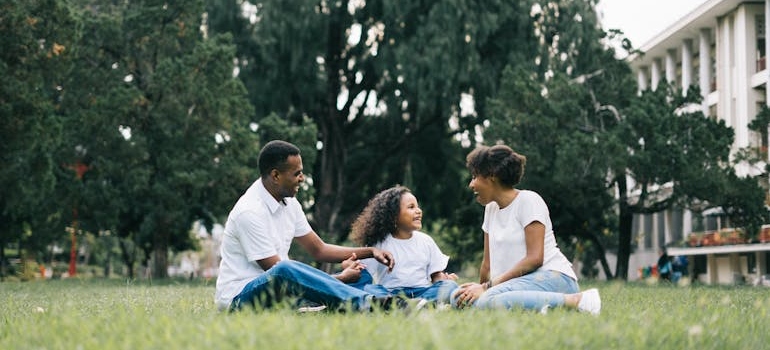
(384,257)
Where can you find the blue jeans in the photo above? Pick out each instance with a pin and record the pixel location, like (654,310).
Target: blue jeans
(289,278)
(439,292)
(532,292)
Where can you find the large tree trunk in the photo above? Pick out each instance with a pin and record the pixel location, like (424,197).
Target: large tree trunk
(330,177)
(160,253)
(3,268)
(624,230)
(129,258)
(602,256)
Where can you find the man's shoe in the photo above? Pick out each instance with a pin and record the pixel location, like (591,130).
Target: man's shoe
(305,306)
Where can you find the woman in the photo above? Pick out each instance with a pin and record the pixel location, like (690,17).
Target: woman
(522,266)
(392,220)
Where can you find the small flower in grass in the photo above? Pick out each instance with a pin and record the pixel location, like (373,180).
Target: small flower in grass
(695,330)
(39,310)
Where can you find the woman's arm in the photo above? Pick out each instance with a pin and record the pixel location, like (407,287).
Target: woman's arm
(484,269)
(534,236)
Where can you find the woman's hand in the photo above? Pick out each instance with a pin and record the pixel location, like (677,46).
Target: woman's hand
(468,293)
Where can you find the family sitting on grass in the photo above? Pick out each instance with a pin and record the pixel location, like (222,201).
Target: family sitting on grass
(396,265)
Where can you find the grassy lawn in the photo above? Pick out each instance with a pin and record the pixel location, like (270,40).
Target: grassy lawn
(99,314)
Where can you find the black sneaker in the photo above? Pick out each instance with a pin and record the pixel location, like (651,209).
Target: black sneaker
(306,306)
(403,304)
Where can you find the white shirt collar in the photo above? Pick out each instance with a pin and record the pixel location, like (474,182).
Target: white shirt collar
(267,198)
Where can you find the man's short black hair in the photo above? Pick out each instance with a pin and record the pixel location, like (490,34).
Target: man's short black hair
(274,155)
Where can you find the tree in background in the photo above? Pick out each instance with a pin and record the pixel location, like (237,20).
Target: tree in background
(37,49)
(395,89)
(154,111)
(559,108)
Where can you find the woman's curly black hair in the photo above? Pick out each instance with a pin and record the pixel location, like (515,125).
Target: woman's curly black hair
(499,161)
(378,219)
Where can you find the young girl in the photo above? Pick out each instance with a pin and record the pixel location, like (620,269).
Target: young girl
(390,222)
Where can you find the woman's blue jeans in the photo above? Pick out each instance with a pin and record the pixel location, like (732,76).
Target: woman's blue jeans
(532,291)
(289,278)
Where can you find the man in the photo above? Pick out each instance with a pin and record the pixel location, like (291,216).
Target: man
(255,268)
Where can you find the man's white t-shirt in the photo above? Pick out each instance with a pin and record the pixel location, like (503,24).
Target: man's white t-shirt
(416,259)
(258,227)
(505,227)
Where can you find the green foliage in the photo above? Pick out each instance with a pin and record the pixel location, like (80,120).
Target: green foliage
(381,98)
(166,135)
(38,46)
(172,315)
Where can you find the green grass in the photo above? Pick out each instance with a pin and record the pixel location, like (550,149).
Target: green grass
(99,314)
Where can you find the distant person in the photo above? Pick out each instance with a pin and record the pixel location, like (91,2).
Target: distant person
(664,264)
(679,268)
(255,269)
(522,266)
(391,222)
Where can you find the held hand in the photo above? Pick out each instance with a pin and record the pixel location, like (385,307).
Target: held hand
(384,257)
(467,294)
(352,261)
(350,274)
(441,276)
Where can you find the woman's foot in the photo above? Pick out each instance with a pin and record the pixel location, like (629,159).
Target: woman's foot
(590,302)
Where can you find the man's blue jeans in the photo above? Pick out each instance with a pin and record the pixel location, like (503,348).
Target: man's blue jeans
(289,278)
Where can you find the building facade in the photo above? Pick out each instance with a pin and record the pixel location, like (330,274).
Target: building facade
(720,47)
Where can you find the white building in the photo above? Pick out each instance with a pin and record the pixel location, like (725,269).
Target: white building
(721,47)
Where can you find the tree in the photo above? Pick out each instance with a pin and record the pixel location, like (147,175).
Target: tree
(558,108)
(383,82)
(37,41)
(564,159)
(162,123)
(675,158)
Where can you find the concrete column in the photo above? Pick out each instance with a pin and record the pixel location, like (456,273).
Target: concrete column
(686,223)
(641,79)
(743,37)
(655,73)
(767,62)
(705,61)
(686,65)
(724,61)
(767,52)
(671,66)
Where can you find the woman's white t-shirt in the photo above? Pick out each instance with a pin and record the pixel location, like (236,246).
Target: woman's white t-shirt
(505,227)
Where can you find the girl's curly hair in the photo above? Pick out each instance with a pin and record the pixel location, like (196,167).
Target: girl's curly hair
(378,219)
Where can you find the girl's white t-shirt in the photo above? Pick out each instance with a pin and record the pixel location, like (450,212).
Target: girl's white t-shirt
(416,259)
(505,227)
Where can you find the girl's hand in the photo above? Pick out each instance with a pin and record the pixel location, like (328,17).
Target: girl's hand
(351,270)
(353,262)
(441,276)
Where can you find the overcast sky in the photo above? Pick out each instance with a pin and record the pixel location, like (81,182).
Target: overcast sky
(640,20)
